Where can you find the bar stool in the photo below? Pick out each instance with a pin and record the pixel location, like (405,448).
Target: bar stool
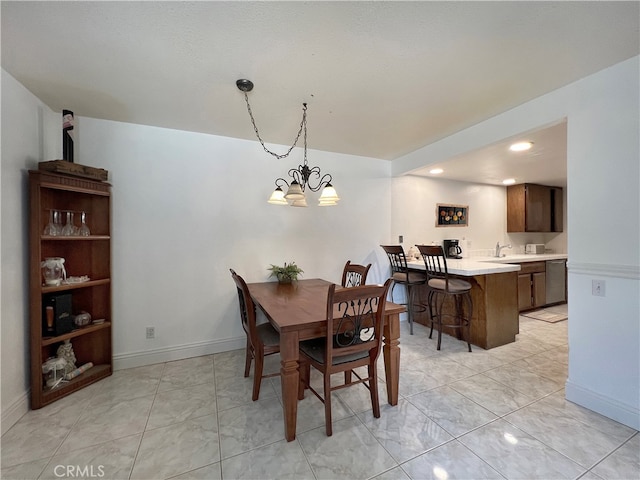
(401,274)
(440,288)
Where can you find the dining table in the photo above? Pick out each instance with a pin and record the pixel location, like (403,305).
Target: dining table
(297,310)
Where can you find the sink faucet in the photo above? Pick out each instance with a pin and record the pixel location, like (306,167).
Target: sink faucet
(499,249)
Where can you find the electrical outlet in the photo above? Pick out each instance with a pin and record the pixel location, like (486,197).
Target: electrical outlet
(598,288)
(400,238)
(151,332)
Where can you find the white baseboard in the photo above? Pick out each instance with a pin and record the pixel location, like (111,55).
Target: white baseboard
(176,352)
(609,407)
(15,411)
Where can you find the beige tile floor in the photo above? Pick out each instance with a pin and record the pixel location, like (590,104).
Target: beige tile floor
(486,414)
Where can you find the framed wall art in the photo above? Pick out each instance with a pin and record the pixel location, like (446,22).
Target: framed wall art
(448,215)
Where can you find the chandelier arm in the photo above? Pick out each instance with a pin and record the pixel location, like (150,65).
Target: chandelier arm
(298,176)
(303,124)
(323,182)
(280,181)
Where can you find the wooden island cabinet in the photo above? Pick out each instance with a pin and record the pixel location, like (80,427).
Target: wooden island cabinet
(500,289)
(495,319)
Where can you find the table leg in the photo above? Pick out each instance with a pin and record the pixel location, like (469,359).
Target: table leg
(290,382)
(391,353)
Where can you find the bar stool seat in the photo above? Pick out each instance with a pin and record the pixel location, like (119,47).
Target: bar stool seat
(414,278)
(455,285)
(441,288)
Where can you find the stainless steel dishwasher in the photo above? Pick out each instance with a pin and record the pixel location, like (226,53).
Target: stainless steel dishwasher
(556,281)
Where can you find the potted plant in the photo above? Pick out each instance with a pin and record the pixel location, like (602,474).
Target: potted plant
(286,274)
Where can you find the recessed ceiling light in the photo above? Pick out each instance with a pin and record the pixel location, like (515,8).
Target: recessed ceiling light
(436,171)
(509,181)
(521,146)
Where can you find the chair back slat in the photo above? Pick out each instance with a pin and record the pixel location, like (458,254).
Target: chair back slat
(356,317)
(247,307)
(354,275)
(397,260)
(435,262)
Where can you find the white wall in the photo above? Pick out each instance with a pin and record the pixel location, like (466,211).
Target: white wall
(604,179)
(29,135)
(188,206)
(603,224)
(414,202)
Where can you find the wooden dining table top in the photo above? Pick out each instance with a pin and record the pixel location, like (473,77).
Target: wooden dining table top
(300,304)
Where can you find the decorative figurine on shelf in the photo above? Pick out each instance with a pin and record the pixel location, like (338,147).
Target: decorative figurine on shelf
(65,351)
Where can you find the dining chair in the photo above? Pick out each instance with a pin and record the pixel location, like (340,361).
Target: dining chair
(440,287)
(262,340)
(355,319)
(401,274)
(354,275)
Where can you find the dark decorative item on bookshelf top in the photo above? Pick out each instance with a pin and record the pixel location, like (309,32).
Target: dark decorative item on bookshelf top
(448,215)
(67,135)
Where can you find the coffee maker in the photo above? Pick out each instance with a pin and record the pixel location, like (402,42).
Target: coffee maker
(452,249)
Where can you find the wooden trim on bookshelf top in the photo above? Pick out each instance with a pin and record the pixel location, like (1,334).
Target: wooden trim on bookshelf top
(76,184)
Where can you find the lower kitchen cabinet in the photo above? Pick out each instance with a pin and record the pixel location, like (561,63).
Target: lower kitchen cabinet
(532,285)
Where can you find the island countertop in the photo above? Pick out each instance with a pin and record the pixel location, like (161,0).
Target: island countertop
(471,266)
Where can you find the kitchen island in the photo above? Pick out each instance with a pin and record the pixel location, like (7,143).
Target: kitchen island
(494,292)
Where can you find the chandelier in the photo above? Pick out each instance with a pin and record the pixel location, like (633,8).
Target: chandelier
(302,178)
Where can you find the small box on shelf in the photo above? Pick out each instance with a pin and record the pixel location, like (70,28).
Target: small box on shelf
(57,318)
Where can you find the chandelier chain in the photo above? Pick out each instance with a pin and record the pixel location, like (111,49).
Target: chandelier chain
(303,126)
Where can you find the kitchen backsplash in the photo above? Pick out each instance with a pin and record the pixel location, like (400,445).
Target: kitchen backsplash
(490,252)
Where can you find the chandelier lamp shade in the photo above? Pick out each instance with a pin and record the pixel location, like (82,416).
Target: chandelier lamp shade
(301,179)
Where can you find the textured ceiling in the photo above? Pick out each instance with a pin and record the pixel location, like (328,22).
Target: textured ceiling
(381,79)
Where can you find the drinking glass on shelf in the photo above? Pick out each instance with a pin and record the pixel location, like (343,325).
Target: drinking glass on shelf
(83,231)
(69,229)
(52,229)
(57,221)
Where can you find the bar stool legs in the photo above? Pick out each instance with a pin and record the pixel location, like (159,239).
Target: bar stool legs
(436,299)
(410,308)
(410,293)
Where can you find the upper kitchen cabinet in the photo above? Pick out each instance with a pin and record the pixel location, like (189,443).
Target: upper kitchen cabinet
(534,208)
